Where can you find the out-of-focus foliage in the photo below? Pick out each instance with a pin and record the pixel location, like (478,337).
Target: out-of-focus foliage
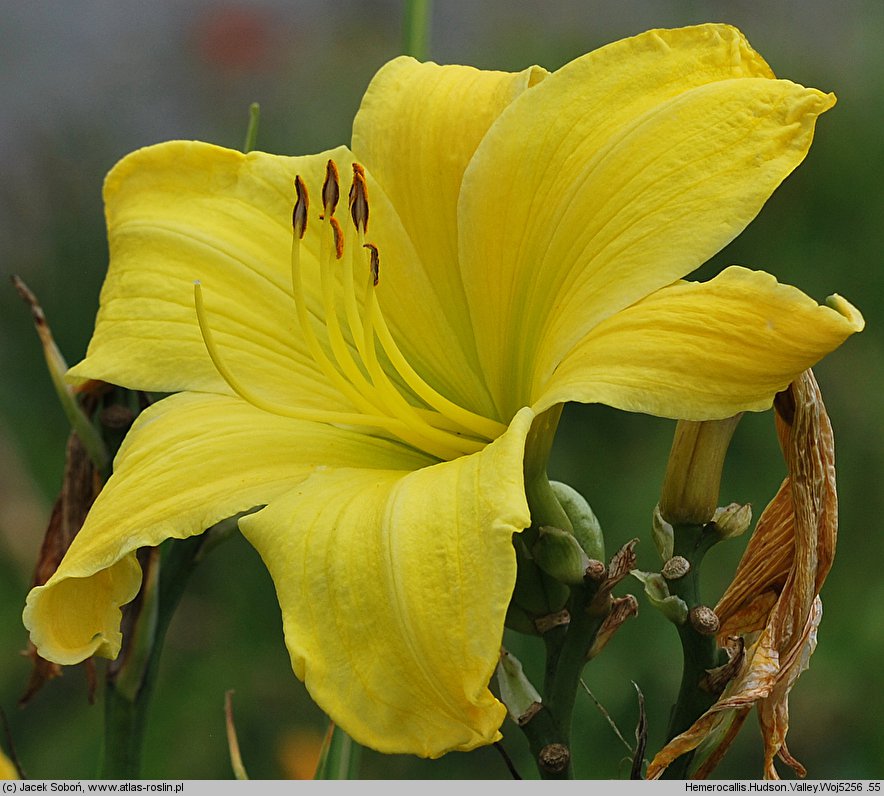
(82,84)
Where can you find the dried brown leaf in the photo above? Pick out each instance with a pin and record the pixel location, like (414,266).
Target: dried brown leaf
(773,600)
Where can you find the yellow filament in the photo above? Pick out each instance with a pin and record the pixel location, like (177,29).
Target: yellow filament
(317,415)
(335,335)
(484,426)
(446,432)
(351,307)
(407,428)
(380,392)
(325,364)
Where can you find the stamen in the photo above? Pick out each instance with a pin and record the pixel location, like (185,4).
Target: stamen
(362,380)
(375,265)
(331,191)
(484,426)
(299,214)
(338,235)
(358,199)
(300,413)
(380,391)
(319,356)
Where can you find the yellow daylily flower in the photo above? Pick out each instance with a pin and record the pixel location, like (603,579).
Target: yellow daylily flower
(514,241)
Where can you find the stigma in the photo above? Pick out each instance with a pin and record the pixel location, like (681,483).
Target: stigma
(354,347)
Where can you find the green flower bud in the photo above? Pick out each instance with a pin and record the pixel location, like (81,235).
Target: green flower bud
(693,473)
(535,592)
(560,555)
(587,529)
(518,619)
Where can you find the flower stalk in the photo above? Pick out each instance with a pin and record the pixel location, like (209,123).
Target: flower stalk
(416,28)
(130,684)
(688,502)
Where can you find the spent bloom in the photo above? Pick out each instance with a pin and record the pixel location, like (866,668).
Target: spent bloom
(368,374)
(772,607)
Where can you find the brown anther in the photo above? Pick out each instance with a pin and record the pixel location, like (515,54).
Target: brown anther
(704,620)
(339,237)
(358,199)
(554,757)
(375,263)
(676,567)
(331,191)
(299,214)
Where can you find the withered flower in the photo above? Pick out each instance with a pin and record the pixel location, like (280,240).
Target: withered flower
(773,602)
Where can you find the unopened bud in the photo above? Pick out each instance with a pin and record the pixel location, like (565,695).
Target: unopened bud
(587,529)
(536,592)
(693,473)
(733,520)
(560,555)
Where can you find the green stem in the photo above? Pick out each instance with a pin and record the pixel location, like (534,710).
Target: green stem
(416,28)
(566,654)
(252,131)
(699,650)
(341,756)
(567,646)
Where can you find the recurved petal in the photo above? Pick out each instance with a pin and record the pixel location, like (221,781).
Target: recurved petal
(189,461)
(702,350)
(185,211)
(618,174)
(394,588)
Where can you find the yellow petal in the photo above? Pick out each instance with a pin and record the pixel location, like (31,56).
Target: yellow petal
(701,350)
(7,769)
(621,172)
(186,211)
(393,590)
(188,462)
(416,129)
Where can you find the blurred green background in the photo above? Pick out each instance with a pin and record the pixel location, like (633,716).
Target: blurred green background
(82,84)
